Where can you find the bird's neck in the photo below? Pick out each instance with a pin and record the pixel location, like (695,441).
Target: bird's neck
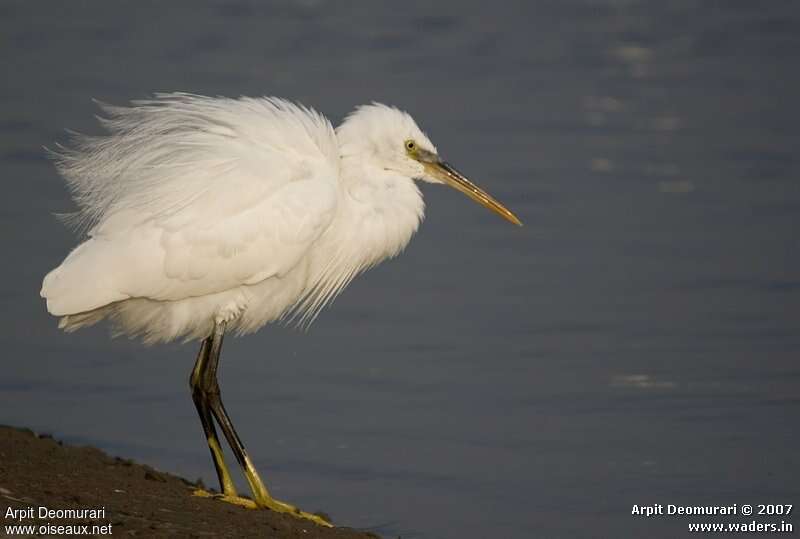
(384,208)
(377,214)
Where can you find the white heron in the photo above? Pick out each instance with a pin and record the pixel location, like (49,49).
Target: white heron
(205,215)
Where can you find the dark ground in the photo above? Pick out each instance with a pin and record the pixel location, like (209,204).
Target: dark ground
(139,501)
(636,342)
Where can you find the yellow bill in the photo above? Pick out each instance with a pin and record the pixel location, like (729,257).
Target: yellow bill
(446,173)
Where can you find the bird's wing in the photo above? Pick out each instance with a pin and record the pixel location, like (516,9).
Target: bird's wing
(206,195)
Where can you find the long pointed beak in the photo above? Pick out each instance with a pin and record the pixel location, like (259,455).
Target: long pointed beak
(446,173)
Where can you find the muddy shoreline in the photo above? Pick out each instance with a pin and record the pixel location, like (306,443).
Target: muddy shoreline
(90,493)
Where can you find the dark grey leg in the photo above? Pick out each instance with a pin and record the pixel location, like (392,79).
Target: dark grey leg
(200,398)
(205,378)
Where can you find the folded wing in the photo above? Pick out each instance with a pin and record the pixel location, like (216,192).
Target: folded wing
(190,196)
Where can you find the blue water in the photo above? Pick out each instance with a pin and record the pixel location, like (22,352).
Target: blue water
(635,343)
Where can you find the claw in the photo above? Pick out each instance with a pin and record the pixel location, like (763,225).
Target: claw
(271,503)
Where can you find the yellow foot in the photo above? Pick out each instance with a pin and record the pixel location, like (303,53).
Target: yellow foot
(270,503)
(235,500)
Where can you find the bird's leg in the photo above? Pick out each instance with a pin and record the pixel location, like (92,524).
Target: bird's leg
(261,495)
(200,398)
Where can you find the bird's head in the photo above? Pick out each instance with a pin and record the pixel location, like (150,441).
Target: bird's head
(391,140)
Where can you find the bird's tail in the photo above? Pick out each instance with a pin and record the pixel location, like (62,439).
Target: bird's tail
(80,284)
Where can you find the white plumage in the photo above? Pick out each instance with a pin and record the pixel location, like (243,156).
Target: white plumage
(245,210)
(205,215)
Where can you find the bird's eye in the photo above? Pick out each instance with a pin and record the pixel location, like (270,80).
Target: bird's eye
(411,145)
